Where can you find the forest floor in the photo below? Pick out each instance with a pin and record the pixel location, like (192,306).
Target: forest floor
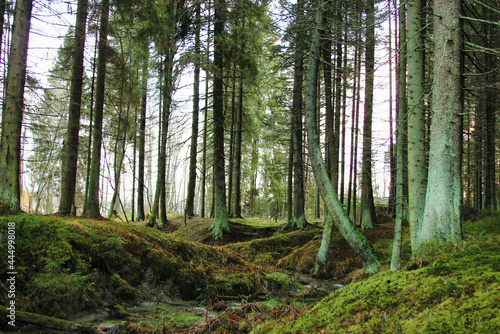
(259,278)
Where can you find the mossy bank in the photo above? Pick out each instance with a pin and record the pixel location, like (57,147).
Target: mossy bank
(69,265)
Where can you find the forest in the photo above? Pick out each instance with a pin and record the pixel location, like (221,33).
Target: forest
(249,166)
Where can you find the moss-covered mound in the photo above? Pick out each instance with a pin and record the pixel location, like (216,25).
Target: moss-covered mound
(270,250)
(67,265)
(241,230)
(452,288)
(342,259)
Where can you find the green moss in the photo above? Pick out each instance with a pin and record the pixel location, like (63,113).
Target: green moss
(122,288)
(450,288)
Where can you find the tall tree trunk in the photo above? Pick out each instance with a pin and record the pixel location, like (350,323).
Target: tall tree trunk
(91,119)
(357,241)
(12,115)
(142,141)
(2,21)
(338,102)
(491,61)
(391,205)
(196,111)
(417,169)
(401,139)
(299,219)
(159,203)
(231,144)
(93,208)
(368,217)
(237,152)
(220,223)
(205,125)
(253,181)
(443,218)
(69,167)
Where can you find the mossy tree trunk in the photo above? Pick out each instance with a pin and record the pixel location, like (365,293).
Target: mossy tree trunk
(335,209)
(13,109)
(443,217)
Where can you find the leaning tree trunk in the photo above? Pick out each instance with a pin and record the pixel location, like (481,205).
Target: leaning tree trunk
(335,209)
(443,217)
(12,115)
(92,208)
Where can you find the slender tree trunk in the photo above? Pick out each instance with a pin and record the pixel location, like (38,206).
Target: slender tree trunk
(290,180)
(329,111)
(70,158)
(491,61)
(142,141)
(368,217)
(338,103)
(220,223)
(93,207)
(253,180)
(443,218)
(401,139)
(2,21)
(354,129)
(12,115)
(159,203)
(344,121)
(299,219)
(237,153)
(196,110)
(231,145)
(391,206)
(417,169)
(91,119)
(357,241)
(205,126)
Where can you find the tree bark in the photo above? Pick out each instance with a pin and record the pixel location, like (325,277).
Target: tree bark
(142,141)
(196,111)
(417,169)
(237,151)
(68,180)
(368,217)
(443,217)
(335,209)
(220,223)
(13,109)
(93,206)
(299,219)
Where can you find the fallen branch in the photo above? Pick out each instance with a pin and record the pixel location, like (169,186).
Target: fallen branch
(55,323)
